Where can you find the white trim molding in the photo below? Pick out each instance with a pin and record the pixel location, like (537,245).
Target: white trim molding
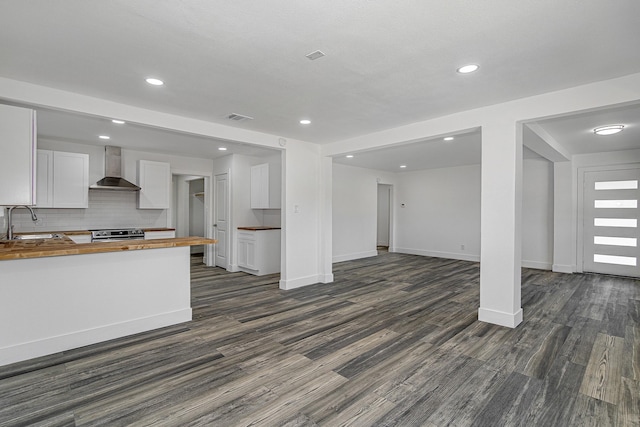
(510,320)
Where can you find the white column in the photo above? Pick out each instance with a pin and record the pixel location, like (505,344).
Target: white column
(501,223)
(326,220)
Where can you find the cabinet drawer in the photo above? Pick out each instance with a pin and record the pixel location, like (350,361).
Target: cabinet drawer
(247,235)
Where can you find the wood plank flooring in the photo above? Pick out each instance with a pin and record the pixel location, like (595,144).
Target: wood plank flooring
(394,341)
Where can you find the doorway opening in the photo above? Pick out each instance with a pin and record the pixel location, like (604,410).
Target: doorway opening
(383,236)
(189,210)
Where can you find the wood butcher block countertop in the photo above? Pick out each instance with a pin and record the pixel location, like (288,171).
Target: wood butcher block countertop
(258,228)
(38,248)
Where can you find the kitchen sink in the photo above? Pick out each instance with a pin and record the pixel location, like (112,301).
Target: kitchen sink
(38,236)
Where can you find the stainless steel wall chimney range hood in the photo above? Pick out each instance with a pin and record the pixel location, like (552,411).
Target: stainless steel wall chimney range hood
(113,172)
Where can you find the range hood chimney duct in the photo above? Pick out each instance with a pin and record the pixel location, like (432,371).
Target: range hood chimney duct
(113,172)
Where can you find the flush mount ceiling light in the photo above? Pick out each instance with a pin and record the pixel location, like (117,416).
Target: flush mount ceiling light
(608,130)
(222,148)
(449,138)
(305,122)
(154,81)
(118,122)
(403,166)
(466,69)
(349,156)
(104,137)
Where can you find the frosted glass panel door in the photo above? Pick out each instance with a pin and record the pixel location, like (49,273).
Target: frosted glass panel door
(611,222)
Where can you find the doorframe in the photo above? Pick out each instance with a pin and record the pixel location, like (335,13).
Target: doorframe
(391,212)
(208,211)
(580,217)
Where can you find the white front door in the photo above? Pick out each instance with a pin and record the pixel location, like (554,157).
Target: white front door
(221,219)
(611,216)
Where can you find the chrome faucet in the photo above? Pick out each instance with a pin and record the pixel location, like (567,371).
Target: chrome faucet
(34,218)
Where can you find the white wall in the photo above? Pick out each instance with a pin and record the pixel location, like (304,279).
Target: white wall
(537,214)
(355,195)
(441,213)
(107,209)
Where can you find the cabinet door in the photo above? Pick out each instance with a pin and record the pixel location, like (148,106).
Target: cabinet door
(44,179)
(154,179)
(70,180)
(260,186)
(251,255)
(18,148)
(242,253)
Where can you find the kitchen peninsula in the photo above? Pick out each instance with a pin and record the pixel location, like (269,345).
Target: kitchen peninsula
(58,295)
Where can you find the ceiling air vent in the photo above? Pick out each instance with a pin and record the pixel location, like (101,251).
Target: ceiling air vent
(315,55)
(238,117)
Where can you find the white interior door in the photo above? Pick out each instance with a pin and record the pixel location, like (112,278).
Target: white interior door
(610,242)
(221,220)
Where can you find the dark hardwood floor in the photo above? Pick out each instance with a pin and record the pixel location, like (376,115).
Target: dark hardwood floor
(394,341)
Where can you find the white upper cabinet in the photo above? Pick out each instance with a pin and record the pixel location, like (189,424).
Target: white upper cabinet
(265,186)
(44,179)
(154,179)
(62,180)
(18,148)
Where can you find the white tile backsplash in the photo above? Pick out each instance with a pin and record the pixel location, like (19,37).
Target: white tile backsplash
(107,209)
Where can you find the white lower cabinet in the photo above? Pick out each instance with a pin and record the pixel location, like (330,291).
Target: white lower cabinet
(159,234)
(62,180)
(259,251)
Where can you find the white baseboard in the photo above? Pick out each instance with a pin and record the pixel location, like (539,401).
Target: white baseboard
(51,345)
(232,268)
(326,278)
(510,320)
(536,264)
(562,268)
(357,255)
(300,282)
(438,254)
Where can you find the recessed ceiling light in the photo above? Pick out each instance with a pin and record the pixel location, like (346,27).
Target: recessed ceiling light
(349,156)
(118,122)
(449,138)
(305,121)
(403,166)
(154,81)
(104,137)
(465,69)
(222,148)
(608,130)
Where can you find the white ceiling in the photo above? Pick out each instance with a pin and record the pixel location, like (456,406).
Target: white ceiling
(62,126)
(388,63)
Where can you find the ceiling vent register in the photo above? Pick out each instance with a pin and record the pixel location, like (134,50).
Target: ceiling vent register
(238,117)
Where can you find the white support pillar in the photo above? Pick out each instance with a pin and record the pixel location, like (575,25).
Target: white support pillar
(501,223)
(326,220)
